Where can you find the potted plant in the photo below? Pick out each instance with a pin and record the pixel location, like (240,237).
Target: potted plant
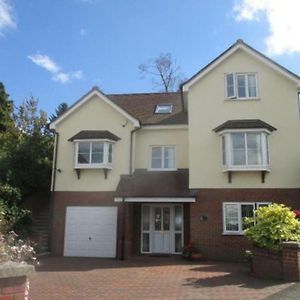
(190,252)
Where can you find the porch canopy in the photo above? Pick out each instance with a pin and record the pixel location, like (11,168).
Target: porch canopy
(155,186)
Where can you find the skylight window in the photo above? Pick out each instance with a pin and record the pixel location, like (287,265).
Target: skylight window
(163,108)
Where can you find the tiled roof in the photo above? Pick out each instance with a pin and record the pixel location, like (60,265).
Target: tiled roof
(142,107)
(145,183)
(94,134)
(244,124)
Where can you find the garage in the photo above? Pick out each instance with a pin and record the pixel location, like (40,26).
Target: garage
(90,231)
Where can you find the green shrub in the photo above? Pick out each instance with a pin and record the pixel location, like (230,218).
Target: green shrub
(274,224)
(14,218)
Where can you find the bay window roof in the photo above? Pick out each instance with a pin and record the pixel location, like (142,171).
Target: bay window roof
(94,134)
(244,124)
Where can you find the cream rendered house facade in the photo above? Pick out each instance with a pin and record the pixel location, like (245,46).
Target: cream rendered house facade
(147,173)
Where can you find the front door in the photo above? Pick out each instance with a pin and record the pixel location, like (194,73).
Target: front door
(162,228)
(161,232)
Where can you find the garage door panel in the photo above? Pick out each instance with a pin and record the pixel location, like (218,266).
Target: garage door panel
(91,231)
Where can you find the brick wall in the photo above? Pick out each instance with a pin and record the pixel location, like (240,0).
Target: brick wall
(207,233)
(291,261)
(14,288)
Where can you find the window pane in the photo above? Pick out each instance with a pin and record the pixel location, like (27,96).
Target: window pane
(223,150)
(247,211)
(169,159)
(230,85)
(252,85)
(83,153)
(97,158)
(238,149)
(146,218)
(163,108)
(254,149)
(83,158)
(146,242)
(157,218)
(231,217)
(97,147)
(178,242)
(109,153)
(178,218)
(156,157)
(241,83)
(166,218)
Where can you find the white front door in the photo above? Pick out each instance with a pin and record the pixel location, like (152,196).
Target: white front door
(162,230)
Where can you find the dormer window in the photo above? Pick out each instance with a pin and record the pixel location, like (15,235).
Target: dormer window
(241,86)
(165,108)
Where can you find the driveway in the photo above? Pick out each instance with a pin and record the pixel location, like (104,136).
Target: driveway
(60,278)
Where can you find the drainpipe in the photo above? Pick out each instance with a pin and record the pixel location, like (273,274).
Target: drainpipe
(131,149)
(54,170)
(123,230)
(182,101)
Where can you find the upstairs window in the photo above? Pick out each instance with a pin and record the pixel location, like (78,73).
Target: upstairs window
(245,150)
(241,86)
(162,158)
(234,214)
(93,154)
(164,108)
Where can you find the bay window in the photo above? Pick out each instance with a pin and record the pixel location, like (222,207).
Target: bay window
(93,154)
(245,150)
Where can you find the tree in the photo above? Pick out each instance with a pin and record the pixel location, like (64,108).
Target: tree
(28,162)
(6,109)
(61,108)
(166,74)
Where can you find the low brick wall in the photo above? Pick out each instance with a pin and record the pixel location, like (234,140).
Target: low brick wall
(14,284)
(283,265)
(291,261)
(266,264)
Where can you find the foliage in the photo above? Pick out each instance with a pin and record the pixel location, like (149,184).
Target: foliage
(27,159)
(16,250)
(273,224)
(297,213)
(189,250)
(166,74)
(6,109)
(61,108)
(13,216)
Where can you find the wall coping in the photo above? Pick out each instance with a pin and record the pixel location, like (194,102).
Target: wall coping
(291,245)
(14,269)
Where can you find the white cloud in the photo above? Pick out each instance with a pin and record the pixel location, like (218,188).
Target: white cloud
(282,17)
(6,16)
(45,62)
(82,32)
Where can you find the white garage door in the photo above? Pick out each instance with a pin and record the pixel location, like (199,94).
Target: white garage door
(90,231)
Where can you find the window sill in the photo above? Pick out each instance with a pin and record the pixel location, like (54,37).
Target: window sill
(93,166)
(163,170)
(246,169)
(242,99)
(233,233)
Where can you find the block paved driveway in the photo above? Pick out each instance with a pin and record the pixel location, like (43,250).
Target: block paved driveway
(60,278)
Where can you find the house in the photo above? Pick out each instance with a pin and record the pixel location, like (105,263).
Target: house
(147,173)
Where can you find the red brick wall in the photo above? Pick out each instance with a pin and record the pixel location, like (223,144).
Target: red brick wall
(14,288)
(291,261)
(63,199)
(207,235)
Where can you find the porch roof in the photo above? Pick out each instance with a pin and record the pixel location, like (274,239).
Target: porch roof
(143,183)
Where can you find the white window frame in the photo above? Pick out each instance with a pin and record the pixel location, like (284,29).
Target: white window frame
(235,87)
(227,138)
(162,158)
(240,230)
(104,165)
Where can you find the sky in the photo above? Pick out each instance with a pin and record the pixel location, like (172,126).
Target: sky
(57,50)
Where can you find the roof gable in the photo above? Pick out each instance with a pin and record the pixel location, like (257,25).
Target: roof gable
(240,45)
(94,92)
